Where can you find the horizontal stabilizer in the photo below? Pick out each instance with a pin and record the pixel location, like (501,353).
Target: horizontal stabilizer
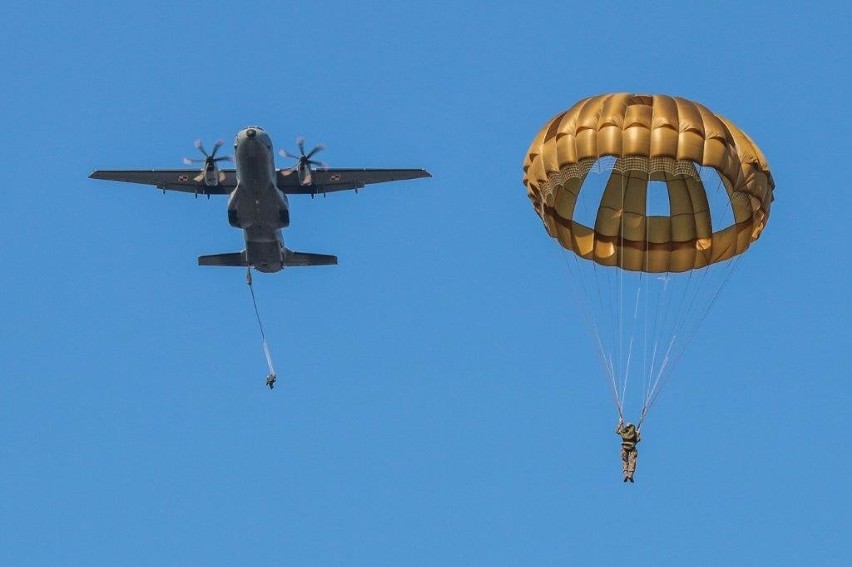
(229,259)
(306,259)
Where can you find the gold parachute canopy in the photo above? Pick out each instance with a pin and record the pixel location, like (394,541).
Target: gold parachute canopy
(648,138)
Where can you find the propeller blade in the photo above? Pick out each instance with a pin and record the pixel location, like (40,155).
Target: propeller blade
(188,161)
(319,148)
(216,147)
(286,154)
(288,171)
(200,147)
(306,178)
(300,143)
(224,158)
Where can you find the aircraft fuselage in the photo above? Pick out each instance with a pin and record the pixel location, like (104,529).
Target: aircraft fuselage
(256,205)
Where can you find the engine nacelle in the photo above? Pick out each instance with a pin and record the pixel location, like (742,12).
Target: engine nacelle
(211,176)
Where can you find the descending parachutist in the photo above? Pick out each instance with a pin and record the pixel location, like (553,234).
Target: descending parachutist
(630,436)
(655,199)
(271,377)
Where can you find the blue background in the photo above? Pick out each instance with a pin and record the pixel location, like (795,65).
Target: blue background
(440,402)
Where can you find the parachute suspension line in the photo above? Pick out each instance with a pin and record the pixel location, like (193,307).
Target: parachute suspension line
(646,374)
(271,377)
(665,364)
(581,276)
(643,277)
(620,259)
(624,319)
(709,277)
(734,262)
(589,295)
(686,329)
(696,300)
(645,286)
(680,298)
(632,338)
(665,292)
(604,284)
(657,376)
(653,382)
(583,301)
(665,300)
(602,307)
(611,334)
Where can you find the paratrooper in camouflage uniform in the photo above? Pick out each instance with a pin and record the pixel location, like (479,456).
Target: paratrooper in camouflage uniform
(630,436)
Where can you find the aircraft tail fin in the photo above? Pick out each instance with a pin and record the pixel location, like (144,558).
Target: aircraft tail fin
(292,258)
(229,259)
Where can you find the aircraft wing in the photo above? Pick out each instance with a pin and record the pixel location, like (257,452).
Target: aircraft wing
(330,180)
(170,179)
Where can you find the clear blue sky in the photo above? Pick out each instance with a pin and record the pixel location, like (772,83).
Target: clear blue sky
(440,402)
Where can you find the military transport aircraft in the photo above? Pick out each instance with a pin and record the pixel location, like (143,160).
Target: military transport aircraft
(258,194)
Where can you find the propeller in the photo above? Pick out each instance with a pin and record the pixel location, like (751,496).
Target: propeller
(210,174)
(210,159)
(303,161)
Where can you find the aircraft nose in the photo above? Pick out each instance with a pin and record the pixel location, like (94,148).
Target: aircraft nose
(251,132)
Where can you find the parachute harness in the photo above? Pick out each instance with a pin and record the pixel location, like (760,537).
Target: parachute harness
(271,377)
